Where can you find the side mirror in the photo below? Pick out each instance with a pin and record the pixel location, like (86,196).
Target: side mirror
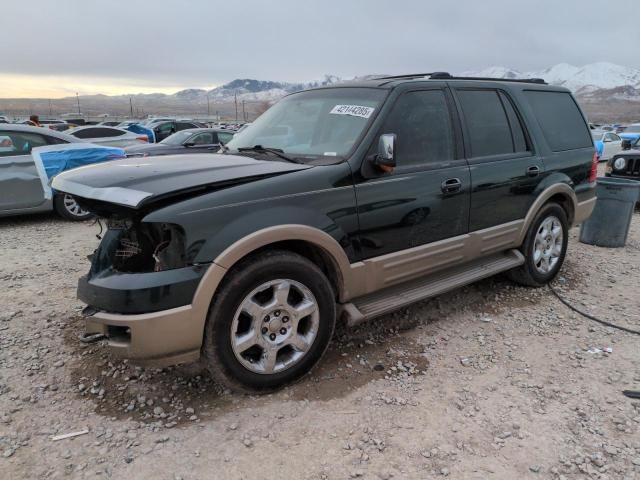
(385,159)
(626,144)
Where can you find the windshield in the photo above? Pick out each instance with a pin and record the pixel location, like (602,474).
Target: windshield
(324,122)
(177,138)
(597,135)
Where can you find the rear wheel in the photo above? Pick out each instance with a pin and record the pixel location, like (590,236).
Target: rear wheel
(67,207)
(544,248)
(270,322)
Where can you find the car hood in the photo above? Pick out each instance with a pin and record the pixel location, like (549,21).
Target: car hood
(139,182)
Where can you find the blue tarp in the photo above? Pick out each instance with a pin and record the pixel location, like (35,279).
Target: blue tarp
(54,159)
(137,128)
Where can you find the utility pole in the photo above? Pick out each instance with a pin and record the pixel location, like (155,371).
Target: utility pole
(235,100)
(50,109)
(244,113)
(78,100)
(208,106)
(131,106)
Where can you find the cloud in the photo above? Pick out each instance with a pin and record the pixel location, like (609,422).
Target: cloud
(201,42)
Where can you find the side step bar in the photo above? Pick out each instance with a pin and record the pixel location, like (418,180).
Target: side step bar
(398,296)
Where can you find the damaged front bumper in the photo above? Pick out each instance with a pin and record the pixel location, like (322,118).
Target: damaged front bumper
(150,339)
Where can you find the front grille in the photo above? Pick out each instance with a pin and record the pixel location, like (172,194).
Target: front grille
(633,167)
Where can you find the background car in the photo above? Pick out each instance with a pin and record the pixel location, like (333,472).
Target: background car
(20,184)
(186,141)
(108,136)
(607,144)
(110,123)
(163,129)
(631,132)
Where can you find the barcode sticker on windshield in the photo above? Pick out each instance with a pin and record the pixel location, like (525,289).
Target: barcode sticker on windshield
(353,110)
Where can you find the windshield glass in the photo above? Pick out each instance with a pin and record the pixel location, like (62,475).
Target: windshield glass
(324,122)
(597,135)
(177,138)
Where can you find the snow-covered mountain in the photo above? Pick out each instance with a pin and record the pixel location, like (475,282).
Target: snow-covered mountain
(582,80)
(254,90)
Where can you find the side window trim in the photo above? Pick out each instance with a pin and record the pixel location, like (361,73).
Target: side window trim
(504,96)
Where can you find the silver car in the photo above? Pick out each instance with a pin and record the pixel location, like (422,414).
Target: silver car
(107,136)
(20,186)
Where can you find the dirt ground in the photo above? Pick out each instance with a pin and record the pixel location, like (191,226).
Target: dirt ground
(491,381)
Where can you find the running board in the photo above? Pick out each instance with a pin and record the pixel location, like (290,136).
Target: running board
(398,296)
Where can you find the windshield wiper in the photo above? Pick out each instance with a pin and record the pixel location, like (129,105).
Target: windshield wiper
(274,151)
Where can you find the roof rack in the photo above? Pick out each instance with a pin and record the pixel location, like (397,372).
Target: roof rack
(448,76)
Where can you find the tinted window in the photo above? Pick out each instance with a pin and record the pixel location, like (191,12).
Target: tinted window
(97,132)
(206,138)
(224,137)
(422,125)
(185,125)
(19,143)
(165,128)
(486,121)
(517,131)
(560,119)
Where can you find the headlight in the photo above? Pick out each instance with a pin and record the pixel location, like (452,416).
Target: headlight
(619,163)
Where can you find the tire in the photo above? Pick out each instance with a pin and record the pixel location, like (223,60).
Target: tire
(252,316)
(534,272)
(66,206)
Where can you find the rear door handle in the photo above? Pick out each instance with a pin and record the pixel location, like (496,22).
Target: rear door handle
(452,185)
(533,171)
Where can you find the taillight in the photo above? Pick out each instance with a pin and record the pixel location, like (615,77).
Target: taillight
(143,138)
(594,168)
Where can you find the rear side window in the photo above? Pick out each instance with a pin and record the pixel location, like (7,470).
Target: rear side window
(560,120)
(487,123)
(422,124)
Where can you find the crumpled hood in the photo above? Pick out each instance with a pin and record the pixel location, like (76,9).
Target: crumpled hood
(136,182)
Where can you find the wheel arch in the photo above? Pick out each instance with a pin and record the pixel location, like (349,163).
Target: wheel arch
(560,193)
(314,244)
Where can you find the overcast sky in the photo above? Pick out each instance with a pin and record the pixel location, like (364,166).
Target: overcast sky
(54,48)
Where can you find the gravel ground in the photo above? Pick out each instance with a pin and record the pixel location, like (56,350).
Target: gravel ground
(490,381)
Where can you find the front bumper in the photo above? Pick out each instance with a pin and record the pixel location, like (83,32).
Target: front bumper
(159,338)
(140,292)
(150,339)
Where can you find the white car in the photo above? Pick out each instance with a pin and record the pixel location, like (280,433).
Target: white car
(107,136)
(607,144)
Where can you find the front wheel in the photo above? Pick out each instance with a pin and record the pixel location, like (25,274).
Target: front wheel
(544,248)
(270,322)
(67,207)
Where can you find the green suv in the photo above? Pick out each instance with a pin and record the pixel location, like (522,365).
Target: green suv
(339,203)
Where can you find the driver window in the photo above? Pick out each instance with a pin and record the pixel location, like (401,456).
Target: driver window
(422,125)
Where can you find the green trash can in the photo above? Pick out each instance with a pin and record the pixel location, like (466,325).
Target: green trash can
(608,225)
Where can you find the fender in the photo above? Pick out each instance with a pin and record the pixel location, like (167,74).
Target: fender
(556,189)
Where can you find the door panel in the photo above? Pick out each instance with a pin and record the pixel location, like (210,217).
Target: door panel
(427,197)
(20,185)
(405,211)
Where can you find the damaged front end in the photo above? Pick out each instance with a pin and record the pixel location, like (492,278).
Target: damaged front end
(140,267)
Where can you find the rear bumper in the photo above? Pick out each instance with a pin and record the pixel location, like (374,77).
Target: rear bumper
(584,210)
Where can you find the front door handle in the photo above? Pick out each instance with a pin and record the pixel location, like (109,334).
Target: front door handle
(533,171)
(452,185)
